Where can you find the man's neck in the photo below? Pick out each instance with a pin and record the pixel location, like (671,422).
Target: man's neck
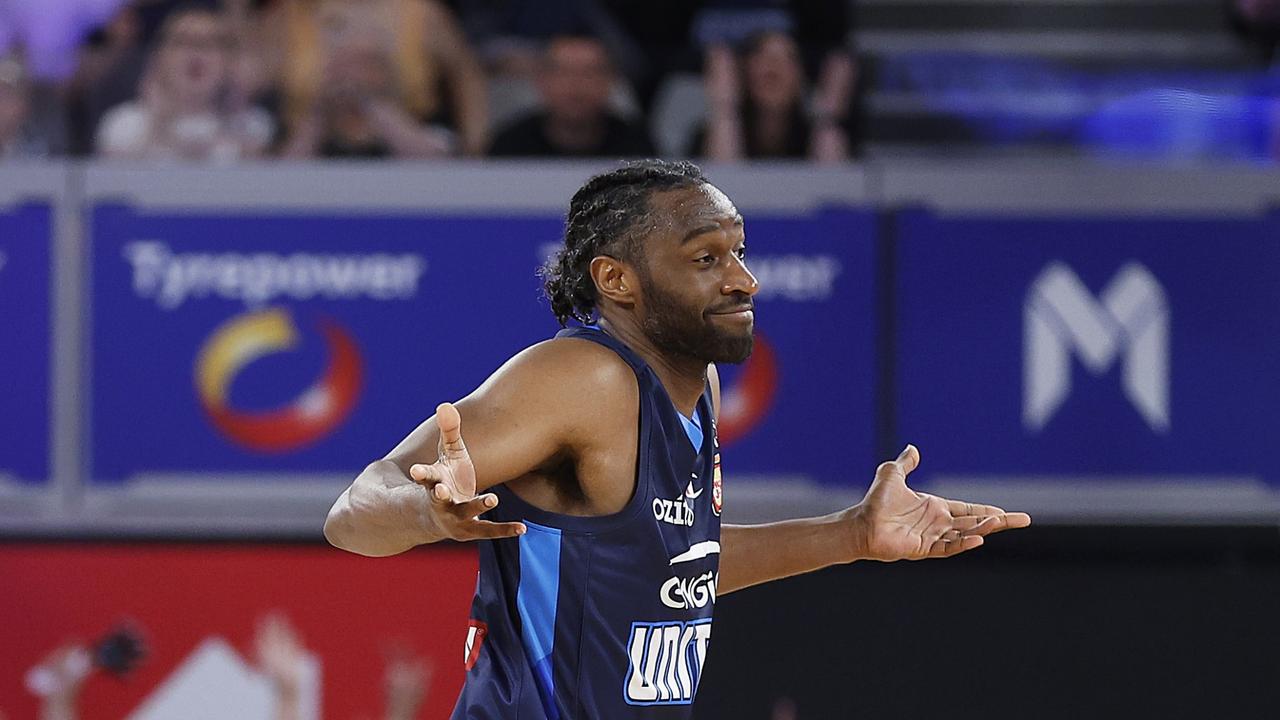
(683,378)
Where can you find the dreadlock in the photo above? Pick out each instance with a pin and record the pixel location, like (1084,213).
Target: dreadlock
(605,219)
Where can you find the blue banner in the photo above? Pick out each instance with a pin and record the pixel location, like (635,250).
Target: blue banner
(803,406)
(241,343)
(1070,347)
(230,343)
(26,241)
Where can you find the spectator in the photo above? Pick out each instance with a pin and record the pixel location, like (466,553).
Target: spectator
(49,31)
(20,135)
(771,121)
(575,82)
(112,60)
(1258,23)
(57,681)
(430,73)
(189,107)
(407,679)
(280,658)
(357,114)
(59,676)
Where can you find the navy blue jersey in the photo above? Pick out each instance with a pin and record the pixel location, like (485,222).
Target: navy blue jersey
(604,617)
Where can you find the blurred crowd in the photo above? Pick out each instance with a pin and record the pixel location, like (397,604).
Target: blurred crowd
(212,81)
(279,657)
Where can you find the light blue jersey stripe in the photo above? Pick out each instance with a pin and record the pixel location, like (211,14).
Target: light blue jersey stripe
(692,428)
(536,601)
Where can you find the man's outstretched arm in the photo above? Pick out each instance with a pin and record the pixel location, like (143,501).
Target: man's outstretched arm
(388,510)
(893,522)
(426,489)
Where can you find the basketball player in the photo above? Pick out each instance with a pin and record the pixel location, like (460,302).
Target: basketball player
(595,458)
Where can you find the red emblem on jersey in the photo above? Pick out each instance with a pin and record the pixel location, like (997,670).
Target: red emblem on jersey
(476,631)
(717,496)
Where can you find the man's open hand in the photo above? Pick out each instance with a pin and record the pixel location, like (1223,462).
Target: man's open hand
(453,509)
(894,522)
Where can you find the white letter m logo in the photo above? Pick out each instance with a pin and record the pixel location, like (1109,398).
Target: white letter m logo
(1060,315)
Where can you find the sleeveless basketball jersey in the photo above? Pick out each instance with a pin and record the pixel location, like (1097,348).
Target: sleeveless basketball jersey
(604,617)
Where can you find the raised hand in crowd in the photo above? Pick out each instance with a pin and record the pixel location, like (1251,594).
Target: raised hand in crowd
(723,86)
(281,658)
(831,102)
(182,111)
(408,676)
(358,114)
(57,680)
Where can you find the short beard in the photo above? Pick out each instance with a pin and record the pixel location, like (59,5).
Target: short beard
(675,331)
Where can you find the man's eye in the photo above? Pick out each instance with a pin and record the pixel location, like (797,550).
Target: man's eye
(705,259)
(742,253)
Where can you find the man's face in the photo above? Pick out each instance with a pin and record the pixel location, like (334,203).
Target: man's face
(194,58)
(696,286)
(13,109)
(775,76)
(576,80)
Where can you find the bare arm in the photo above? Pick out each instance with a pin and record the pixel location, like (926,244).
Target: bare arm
(427,488)
(724,141)
(893,522)
(406,137)
(754,554)
(466,80)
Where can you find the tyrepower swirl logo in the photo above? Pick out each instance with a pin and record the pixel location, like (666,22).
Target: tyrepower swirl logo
(312,415)
(175,280)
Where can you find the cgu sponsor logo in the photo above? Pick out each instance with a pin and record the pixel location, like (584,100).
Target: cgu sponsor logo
(690,593)
(666,662)
(678,511)
(171,279)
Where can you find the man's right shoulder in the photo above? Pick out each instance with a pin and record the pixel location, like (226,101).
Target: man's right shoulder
(573,389)
(572,365)
(565,373)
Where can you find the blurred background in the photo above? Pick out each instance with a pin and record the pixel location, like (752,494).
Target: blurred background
(1040,239)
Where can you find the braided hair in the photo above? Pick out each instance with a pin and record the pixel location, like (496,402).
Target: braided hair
(605,218)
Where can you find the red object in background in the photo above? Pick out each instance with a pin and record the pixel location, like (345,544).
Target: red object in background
(346,609)
(746,401)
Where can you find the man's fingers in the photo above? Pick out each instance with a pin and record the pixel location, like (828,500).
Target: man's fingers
(946,546)
(899,468)
(474,507)
(996,523)
(909,459)
(425,474)
(1015,520)
(441,494)
(485,530)
(450,424)
(960,508)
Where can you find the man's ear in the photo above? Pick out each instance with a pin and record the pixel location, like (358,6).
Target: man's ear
(615,280)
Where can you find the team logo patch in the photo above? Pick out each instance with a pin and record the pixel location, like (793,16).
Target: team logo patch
(717,495)
(476,632)
(666,662)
